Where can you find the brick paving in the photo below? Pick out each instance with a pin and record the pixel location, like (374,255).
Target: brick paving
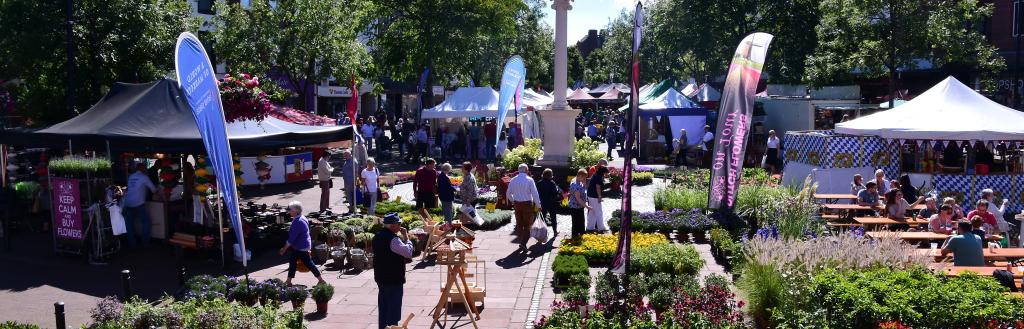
(511,278)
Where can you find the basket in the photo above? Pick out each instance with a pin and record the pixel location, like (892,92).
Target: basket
(301,266)
(357,258)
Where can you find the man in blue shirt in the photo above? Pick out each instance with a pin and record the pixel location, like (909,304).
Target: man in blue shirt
(966,247)
(868,197)
(135,205)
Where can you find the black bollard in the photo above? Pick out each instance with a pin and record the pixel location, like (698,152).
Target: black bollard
(181,275)
(58,313)
(126,285)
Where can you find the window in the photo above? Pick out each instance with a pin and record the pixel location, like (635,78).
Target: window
(205,7)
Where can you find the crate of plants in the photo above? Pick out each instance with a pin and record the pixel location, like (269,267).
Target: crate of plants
(694,222)
(598,249)
(567,266)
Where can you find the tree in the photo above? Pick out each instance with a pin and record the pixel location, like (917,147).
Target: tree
(306,41)
(407,36)
(879,37)
(575,66)
(114,40)
(534,42)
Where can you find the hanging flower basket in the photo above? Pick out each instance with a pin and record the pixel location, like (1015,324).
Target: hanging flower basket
(243,99)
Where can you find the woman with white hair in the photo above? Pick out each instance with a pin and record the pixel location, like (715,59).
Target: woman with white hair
(369,178)
(299,243)
(446,192)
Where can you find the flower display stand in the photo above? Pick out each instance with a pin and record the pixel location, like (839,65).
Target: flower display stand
(453,254)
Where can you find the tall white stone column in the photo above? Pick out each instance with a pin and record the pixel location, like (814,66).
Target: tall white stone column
(558,122)
(561,8)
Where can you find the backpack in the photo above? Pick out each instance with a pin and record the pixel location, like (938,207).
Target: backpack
(1005,278)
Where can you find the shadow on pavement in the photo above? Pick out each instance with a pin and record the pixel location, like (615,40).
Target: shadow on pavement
(32,263)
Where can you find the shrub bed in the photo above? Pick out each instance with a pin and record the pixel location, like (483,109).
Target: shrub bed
(109,313)
(914,298)
(599,248)
(567,266)
(673,259)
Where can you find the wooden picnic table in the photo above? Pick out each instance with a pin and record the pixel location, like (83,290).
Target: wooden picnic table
(834,206)
(908,236)
(995,254)
(834,196)
(950,270)
(876,221)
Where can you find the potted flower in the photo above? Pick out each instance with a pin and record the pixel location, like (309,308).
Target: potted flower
(322,293)
(615,178)
(245,293)
(297,295)
(271,291)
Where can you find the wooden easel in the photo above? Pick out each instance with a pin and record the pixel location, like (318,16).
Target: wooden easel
(451,252)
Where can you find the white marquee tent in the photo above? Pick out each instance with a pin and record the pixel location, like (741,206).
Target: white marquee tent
(467,102)
(948,111)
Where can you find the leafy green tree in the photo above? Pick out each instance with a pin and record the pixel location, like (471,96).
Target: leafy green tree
(114,40)
(879,37)
(534,42)
(407,36)
(305,40)
(575,66)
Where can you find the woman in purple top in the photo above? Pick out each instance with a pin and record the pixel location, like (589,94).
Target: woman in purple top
(298,243)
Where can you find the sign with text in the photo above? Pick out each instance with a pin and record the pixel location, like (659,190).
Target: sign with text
(197,82)
(734,116)
(67,209)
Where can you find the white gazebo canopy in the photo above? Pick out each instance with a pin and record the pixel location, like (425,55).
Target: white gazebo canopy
(536,100)
(467,102)
(948,111)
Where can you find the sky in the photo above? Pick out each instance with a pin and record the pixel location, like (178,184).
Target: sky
(586,15)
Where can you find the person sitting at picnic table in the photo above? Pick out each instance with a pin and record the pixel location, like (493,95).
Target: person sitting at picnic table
(857,185)
(929,209)
(958,213)
(896,207)
(942,222)
(880,180)
(868,197)
(978,227)
(895,184)
(997,211)
(981,210)
(966,247)
(910,192)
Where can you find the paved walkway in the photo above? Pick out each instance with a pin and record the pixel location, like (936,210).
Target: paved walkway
(34,278)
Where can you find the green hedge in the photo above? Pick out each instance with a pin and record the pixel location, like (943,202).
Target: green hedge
(672,259)
(17,325)
(567,266)
(915,298)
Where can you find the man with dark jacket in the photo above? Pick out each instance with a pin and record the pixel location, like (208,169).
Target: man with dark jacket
(392,247)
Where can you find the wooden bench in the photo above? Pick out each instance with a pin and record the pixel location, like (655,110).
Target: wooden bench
(844,225)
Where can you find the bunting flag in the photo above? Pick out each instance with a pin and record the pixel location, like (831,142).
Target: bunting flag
(197,81)
(734,115)
(353,102)
(620,262)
